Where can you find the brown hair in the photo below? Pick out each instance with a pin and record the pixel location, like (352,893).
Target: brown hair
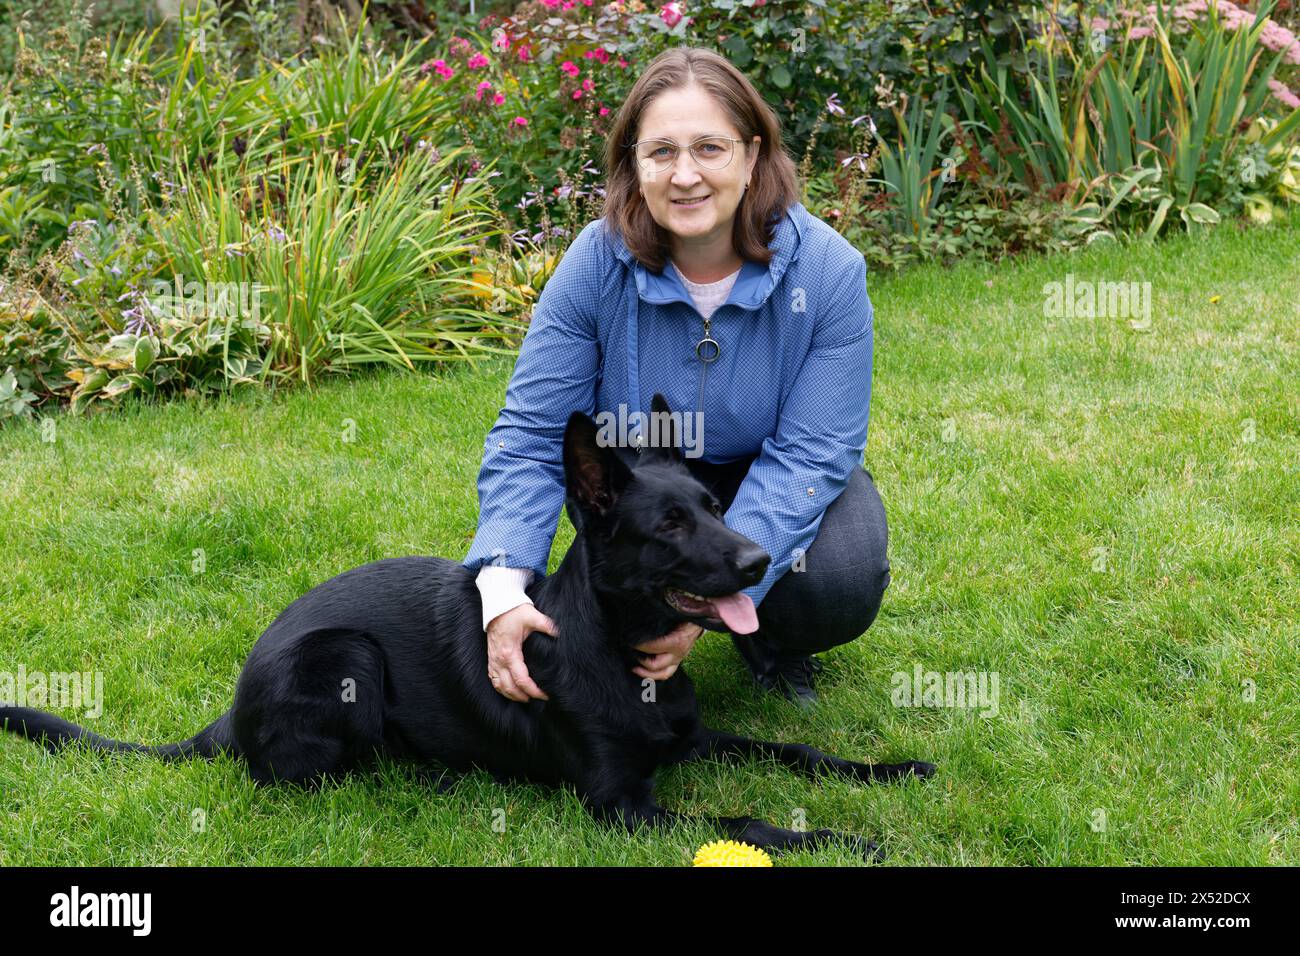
(773,186)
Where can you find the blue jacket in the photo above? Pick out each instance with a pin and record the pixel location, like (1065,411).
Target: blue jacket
(792,385)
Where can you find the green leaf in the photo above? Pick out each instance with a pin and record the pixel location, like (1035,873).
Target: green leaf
(93,382)
(116,387)
(145,353)
(1200,213)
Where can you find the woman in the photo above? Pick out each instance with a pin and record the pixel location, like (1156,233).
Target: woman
(708,281)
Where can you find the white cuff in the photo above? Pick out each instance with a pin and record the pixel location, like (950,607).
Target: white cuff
(502,589)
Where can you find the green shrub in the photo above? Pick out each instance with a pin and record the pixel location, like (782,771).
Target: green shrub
(1151,124)
(250,284)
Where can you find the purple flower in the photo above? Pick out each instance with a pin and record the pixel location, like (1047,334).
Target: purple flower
(138,324)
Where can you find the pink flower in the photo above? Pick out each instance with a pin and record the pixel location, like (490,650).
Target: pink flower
(519,121)
(476,61)
(1274,36)
(551,4)
(604,110)
(589,86)
(671,14)
(597,54)
(569,67)
(483,87)
(1284,95)
(524,54)
(1278,38)
(622,63)
(577,94)
(502,42)
(443,70)
(459,45)
(498,99)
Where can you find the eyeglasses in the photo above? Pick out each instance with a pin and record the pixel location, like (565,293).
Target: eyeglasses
(660,155)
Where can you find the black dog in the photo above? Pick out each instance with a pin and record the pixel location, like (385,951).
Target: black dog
(391,657)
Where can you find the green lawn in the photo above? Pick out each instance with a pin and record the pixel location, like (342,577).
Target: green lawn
(1008,447)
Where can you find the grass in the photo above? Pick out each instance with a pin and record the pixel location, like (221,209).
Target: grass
(1008,448)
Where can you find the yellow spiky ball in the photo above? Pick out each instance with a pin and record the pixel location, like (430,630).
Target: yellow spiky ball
(731,853)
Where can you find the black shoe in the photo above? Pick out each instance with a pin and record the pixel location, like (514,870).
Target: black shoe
(773,669)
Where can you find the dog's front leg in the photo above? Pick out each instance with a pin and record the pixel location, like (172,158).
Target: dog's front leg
(807,760)
(637,807)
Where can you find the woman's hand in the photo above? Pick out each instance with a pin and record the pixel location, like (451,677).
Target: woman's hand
(667,651)
(505,641)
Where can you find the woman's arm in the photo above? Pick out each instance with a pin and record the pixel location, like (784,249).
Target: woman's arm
(521,481)
(821,434)
(502,589)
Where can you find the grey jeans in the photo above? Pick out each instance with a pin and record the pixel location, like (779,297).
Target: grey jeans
(846,568)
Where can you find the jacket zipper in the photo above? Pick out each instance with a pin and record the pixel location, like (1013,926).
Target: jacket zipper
(704,370)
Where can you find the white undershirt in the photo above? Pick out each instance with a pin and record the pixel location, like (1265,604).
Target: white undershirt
(502,589)
(708,295)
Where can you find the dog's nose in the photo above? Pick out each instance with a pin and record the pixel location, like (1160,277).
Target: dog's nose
(752,562)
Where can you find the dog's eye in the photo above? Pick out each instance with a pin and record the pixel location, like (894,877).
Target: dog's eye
(712,507)
(673,519)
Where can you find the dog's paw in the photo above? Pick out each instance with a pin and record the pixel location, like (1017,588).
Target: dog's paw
(869,850)
(888,772)
(922,769)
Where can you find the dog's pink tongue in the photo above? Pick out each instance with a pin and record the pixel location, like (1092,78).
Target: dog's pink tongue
(737,612)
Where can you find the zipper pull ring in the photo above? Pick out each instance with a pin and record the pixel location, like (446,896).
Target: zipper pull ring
(707,349)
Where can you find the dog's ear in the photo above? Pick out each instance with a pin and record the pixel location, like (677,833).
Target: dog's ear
(594,475)
(667,440)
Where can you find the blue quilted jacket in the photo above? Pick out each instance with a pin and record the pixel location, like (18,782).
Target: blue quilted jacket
(792,385)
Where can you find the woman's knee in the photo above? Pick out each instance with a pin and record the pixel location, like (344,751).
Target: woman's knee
(832,594)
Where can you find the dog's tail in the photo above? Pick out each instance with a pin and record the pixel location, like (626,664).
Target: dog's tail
(54,733)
